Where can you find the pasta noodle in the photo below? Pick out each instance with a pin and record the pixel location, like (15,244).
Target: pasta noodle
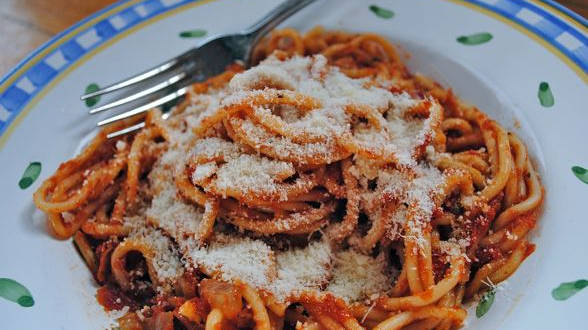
(325,188)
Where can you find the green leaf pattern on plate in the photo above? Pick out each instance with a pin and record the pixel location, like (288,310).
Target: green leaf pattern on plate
(382,12)
(15,292)
(485,303)
(545,95)
(568,289)
(581,173)
(91,88)
(30,174)
(475,39)
(197,33)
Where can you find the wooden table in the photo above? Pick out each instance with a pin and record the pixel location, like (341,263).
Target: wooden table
(26,24)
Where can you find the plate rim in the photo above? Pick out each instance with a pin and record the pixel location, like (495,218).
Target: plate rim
(58,79)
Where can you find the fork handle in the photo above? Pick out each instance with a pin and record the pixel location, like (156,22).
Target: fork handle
(274,18)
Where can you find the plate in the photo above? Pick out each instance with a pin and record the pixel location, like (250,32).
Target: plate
(523,62)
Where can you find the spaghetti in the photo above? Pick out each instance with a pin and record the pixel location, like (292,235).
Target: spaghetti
(326,187)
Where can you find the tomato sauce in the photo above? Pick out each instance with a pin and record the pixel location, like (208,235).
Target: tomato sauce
(112,298)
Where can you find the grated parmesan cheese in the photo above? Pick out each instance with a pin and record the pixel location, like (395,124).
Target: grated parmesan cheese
(252,173)
(358,277)
(165,261)
(302,269)
(233,258)
(171,214)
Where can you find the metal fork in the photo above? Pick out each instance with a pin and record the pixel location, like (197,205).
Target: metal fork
(172,78)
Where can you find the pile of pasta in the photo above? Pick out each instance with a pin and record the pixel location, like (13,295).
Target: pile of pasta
(329,151)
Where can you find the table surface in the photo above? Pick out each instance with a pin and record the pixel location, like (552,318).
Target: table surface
(26,24)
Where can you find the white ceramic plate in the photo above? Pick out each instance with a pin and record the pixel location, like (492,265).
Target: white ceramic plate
(42,120)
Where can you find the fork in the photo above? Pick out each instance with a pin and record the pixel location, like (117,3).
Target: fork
(197,64)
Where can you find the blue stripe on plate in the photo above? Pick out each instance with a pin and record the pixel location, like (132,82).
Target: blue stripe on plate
(508,7)
(547,26)
(130,16)
(13,99)
(105,30)
(40,74)
(582,53)
(72,50)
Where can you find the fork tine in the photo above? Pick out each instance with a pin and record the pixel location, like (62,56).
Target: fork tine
(137,78)
(145,107)
(133,128)
(126,130)
(141,93)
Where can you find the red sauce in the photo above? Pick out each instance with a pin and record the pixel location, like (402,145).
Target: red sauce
(530,249)
(112,298)
(160,320)
(450,102)
(426,295)
(440,265)
(328,305)
(201,307)
(479,227)
(103,252)
(188,285)
(488,254)
(528,220)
